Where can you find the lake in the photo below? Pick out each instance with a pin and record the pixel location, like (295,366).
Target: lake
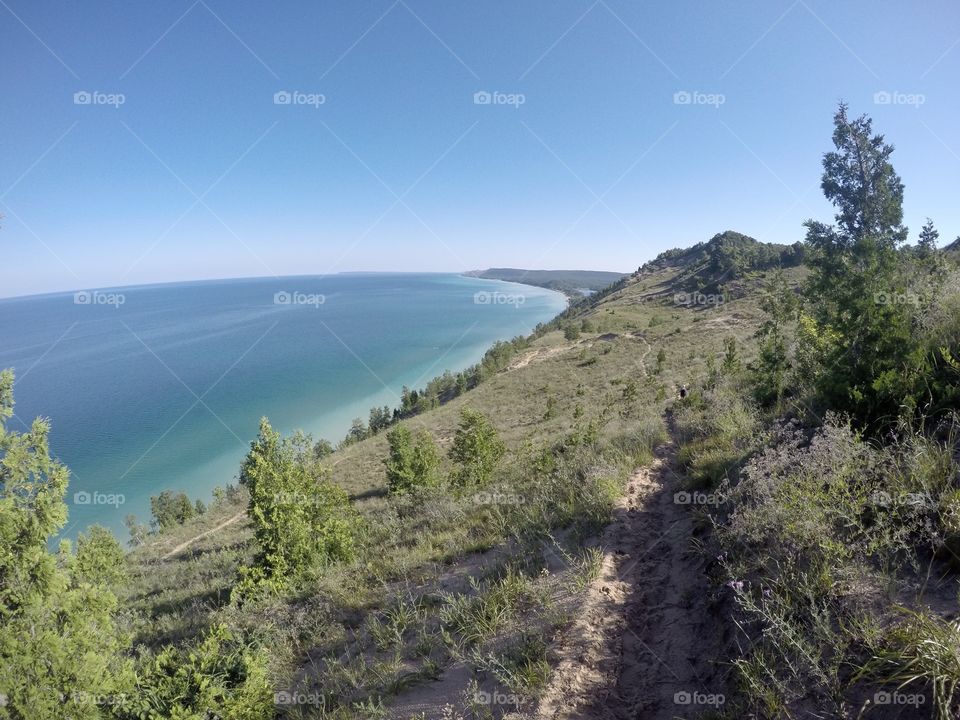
(162,386)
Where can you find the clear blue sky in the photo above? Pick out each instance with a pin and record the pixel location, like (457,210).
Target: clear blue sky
(199,174)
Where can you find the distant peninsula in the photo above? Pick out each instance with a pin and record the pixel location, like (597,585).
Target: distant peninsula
(573,283)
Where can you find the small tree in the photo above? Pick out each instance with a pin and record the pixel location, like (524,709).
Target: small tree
(871,360)
(571,331)
(411,463)
(772,366)
(379,419)
(300,518)
(477,448)
(100,559)
(169,509)
(138,531)
(731,360)
(58,642)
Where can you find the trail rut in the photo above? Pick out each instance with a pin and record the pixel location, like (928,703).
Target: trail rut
(644,644)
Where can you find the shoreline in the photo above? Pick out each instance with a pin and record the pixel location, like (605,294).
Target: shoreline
(222,468)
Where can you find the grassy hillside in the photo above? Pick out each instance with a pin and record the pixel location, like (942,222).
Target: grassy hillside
(731,553)
(460,593)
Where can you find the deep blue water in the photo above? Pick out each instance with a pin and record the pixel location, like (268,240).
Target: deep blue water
(162,386)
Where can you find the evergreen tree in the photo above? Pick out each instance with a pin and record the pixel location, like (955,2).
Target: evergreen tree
(870,356)
(412,462)
(300,518)
(59,648)
(477,448)
(771,369)
(100,559)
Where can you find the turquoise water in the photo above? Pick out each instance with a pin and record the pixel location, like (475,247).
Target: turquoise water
(162,386)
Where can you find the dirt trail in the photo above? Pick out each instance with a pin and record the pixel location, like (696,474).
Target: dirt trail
(537,355)
(644,644)
(184,545)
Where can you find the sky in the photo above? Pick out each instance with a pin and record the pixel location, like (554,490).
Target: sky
(147,142)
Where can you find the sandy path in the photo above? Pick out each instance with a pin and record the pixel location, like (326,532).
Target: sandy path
(184,545)
(536,355)
(644,642)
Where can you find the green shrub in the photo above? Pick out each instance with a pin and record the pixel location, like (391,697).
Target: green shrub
(477,448)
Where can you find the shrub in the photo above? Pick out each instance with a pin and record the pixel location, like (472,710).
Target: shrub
(411,463)
(299,516)
(100,559)
(476,447)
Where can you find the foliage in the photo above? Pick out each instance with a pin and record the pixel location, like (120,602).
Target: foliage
(100,559)
(477,448)
(59,648)
(873,363)
(300,518)
(773,365)
(169,509)
(221,677)
(411,463)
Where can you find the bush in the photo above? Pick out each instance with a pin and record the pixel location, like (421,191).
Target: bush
(221,677)
(411,463)
(300,518)
(476,447)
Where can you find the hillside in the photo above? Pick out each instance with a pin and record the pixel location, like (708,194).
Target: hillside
(614,551)
(569,282)
(952,250)
(727,257)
